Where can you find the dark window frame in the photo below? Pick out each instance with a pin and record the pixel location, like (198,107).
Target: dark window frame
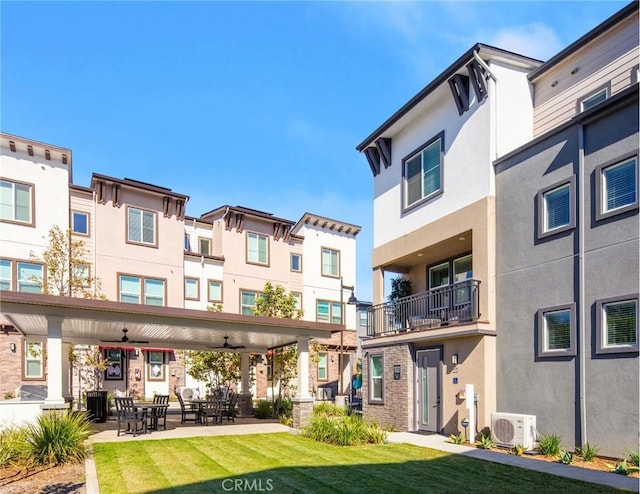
(601,214)
(436,193)
(601,347)
(571,351)
(372,400)
(542,232)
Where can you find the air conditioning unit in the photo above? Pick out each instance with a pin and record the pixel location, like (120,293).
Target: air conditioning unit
(509,429)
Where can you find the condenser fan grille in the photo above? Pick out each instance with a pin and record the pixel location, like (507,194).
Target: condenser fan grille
(504,430)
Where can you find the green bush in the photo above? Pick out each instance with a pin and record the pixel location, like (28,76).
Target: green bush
(485,442)
(332,425)
(456,439)
(58,438)
(634,458)
(587,452)
(566,457)
(262,409)
(549,444)
(13,446)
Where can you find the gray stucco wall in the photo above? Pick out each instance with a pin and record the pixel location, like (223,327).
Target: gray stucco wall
(535,273)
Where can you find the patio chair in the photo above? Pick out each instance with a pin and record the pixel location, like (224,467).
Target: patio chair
(213,408)
(159,413)
(186,411)
(229,409)
(129,415)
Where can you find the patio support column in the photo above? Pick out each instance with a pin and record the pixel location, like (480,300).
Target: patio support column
(303,401)
(54,361)
(245,402)
(66,369)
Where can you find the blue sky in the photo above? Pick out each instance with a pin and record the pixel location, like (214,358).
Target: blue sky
(258,104)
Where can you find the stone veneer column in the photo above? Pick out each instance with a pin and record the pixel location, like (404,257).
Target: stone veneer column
(245,400)
(303,401)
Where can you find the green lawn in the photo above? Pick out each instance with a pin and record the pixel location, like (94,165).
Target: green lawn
(286,463)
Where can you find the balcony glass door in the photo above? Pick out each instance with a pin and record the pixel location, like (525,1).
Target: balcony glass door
(439,299)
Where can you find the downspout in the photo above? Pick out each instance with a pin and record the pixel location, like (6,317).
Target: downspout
(581,289)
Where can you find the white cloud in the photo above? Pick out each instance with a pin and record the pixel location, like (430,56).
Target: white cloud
(535,40)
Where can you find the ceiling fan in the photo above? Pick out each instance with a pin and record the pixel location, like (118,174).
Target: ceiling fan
(124,339)
(227,346)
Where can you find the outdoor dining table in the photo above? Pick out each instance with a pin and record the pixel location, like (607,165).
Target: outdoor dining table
(145,408)
(201,403)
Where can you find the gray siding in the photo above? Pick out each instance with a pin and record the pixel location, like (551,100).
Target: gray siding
(534,274)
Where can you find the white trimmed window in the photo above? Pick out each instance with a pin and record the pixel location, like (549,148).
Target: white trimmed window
(81,274)
(327,311)
(33,360)
(257,248)
(595,98)
(248,302)
(204,246)
(422,172)
(80,222)
(192,288)
(618,187)
(141,226)
(617,324)
(322,366)
(134,289)
(376,371)
(215,291)
(330,262)
(30,277)
(298,298)
(16,201)
(296,263)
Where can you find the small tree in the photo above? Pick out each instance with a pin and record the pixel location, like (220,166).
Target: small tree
(400,287)
(214,368)
(68,271)
(275,302)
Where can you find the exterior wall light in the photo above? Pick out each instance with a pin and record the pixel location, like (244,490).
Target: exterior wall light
(454,358)
(12,347)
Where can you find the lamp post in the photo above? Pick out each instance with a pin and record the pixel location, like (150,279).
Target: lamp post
(351,301)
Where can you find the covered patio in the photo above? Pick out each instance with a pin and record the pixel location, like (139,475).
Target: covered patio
(61,322)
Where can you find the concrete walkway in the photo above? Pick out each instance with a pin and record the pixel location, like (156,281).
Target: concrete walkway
(175,430)
(441,443)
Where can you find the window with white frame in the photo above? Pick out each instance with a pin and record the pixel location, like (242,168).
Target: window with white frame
(617,187)
(80,222)
(594,98)
(376,383)
(322,366)
(141,226)
(5,274)
(214,291)
(30,277)
(296,263)
(327,311)
(137,289)
(557,331)
(330,262)
(423,172)
(81,274)
(204,246)
(257,248)
(617,324)
(16,201)
(187,243)
(192,288)
(556,206)
(298,298)
(248,302)
(33,360)
(155,362)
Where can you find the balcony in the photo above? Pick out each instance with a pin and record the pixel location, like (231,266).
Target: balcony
(443,306)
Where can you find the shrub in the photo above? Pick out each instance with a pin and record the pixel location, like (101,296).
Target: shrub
(517,450)
(549,444)
(13,446)
(634,458)
(456,439)
(262,409)
(565,457)
(485,442)
(622,468)
(8,395)
(285,416)
(58,438)
(329,409)
(587,452)
(342,429)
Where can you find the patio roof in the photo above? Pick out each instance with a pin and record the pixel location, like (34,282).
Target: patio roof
(99,322)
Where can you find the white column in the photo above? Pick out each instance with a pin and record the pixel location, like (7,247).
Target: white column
(303,368)
(244,369)
(54,360)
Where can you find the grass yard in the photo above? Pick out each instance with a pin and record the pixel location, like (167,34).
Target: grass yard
(287,463)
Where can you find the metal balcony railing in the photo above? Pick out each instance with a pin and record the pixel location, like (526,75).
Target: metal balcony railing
(441,306)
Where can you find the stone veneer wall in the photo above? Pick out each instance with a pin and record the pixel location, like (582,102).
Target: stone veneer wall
(398,395)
